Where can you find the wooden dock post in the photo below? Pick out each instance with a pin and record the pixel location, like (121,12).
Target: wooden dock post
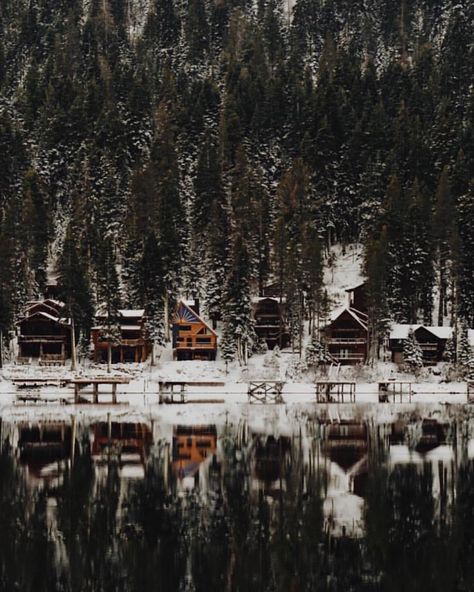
(470,391)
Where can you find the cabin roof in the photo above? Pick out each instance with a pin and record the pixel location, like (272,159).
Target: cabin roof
(257,299)
(132,313)
(355,287)
(45,315)
(360,317)
(401,331)
(185,313)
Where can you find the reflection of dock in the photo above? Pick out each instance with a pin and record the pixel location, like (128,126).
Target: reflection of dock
(335,391)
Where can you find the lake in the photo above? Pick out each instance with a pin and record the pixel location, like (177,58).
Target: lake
(126,505)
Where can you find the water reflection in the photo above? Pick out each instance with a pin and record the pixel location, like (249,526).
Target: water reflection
(128,506)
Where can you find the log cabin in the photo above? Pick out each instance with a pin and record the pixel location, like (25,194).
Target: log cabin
(432,341)
(357,297)
(347,336)
(43,333)
(269,321)
(134,344)
(193,338)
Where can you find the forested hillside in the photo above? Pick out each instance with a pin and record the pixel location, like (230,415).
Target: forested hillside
(151,148)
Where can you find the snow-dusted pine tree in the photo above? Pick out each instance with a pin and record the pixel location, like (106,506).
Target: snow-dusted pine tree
(412,353)
(239,334)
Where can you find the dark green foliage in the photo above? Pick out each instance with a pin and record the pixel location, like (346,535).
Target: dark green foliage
(181,121)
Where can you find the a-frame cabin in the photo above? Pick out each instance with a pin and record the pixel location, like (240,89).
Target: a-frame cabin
(193,338)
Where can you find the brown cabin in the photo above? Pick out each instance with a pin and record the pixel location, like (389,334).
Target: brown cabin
(347,336)
(269,321)
(134,345)
(432,341)
(193,338)
(357,298)
(42,332)
(192,445)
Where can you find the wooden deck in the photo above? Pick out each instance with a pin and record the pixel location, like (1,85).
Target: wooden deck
(83,382)
(335,391)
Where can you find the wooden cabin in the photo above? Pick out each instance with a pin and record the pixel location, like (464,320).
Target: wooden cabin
(432,341)
(269,321)
(357,297)
(134,344)
(347,336)
(43,333)
(192,445)
(193,338)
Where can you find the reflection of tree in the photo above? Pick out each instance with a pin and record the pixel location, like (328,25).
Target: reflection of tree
(408,545)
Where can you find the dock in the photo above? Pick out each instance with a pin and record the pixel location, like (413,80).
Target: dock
(265,391)
(176,391)
(393,389)
(335,391)
(83,382)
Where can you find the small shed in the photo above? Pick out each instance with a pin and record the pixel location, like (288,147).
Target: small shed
(193,338)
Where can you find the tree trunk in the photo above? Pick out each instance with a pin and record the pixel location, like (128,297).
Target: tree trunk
(1,348)
(73,345)
(166,315)
(152,361)
(109,357)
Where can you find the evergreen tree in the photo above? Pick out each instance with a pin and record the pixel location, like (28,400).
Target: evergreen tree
(238,332)
(74,290)
(412,353)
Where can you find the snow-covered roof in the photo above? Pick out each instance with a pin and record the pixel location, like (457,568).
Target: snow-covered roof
(401,331)
(131,313)
(359,285)
(192,314)
(470,337)
(441,332)
(360,317)
(130,327)
(41,313)
(257,299)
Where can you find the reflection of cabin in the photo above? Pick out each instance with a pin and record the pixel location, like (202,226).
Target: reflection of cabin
(133,345)
(44,445)
(433,434)
(193,338)
(347,337)
(357,297)
(126,440)
(432,341)
(43,333)
(192,445)
(270,455)
(346,443)
(269,321)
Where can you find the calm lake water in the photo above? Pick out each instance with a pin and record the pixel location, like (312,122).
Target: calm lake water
(123,506)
